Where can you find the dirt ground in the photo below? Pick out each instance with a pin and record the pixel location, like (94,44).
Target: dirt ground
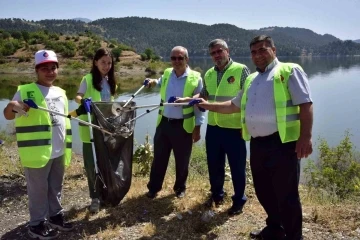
(165,217)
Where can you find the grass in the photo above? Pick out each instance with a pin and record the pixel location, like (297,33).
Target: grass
(167,217)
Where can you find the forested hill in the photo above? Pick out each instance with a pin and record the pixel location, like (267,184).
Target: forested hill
(161,35)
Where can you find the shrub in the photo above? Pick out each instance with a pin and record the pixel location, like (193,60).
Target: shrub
(143,157)
(16,35)
(143,57)
(337,170)
(116,52)
(77,65)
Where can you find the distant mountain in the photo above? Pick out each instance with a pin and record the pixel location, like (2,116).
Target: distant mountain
(86,20)
(301,34)
(162,35)
(357,41)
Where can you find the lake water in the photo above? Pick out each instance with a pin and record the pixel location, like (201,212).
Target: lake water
(335,90)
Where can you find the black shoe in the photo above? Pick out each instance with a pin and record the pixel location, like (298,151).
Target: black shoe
(42,231)
(58,222)
(180,194)
(235,210)
(267,234)
(151,194)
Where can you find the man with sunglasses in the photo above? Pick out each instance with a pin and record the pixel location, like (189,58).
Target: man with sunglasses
(223,133)
(177,127)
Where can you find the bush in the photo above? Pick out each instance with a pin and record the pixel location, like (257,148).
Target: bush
(337,171)
(143,57)
(143,157)
(16,35)
(116,52)
(77,64)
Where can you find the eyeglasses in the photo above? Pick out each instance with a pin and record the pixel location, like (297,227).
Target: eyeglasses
(177,58)
(219,51)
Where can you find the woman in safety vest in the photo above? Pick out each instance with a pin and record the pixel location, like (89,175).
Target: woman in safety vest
(99,85)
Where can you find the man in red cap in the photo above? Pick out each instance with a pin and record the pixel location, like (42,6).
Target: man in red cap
(44,145)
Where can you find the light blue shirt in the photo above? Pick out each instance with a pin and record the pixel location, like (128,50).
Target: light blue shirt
(175,87)
(260,113)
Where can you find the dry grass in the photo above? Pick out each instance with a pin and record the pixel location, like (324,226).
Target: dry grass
(167,217)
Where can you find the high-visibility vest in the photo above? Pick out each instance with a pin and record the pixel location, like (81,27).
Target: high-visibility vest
(34,133)
(95,96)
(191,83)
(228,88)
(287,114)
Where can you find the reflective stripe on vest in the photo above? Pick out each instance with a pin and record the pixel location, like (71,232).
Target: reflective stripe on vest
(34,141)
(228,88)
(95,96)
(191,83)
(287,114)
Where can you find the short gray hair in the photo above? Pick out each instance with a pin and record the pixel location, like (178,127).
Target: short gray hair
(181,48)
(220,42)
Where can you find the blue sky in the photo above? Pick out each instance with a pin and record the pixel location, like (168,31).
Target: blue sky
(340,18)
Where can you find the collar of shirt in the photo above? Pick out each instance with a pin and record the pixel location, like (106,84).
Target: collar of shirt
(185,74)
(225,68)
(106,78)
(269,67)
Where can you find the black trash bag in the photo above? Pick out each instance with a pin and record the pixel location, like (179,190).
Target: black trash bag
(114,153)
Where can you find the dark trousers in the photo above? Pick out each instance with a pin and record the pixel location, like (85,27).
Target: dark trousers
(170,135)
(221,142)
(90,169)
(276,171)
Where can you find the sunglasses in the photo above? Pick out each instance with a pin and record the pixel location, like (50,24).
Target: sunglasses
(177,58)
(219,51)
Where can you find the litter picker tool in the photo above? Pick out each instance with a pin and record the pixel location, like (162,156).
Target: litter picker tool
(146,82)
(170,102)
(155,105)
(32,104)
(144,113)
(87,105)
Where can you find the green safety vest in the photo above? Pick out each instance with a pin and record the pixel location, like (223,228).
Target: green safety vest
(95,96)
(34,133)
(191,83)
(287,114)
(228,88)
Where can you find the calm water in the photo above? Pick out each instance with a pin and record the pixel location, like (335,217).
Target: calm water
(335,89)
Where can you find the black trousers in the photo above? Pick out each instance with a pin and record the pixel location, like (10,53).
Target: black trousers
(276,172)
(170,135)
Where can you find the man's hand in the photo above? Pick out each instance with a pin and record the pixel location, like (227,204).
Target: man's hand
(184,100)
(303,147)
(151,83)
(196,134)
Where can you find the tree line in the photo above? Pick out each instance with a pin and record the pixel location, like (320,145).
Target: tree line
(162,35)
